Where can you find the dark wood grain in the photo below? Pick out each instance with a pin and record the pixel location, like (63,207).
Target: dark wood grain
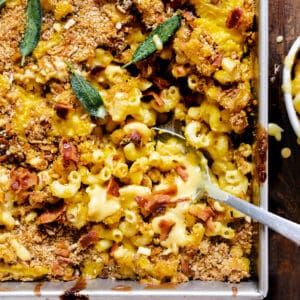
(284,175)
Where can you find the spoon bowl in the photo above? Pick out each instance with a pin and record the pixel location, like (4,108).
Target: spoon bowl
(281,225)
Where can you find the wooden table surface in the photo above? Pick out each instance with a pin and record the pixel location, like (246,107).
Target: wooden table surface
(284,174)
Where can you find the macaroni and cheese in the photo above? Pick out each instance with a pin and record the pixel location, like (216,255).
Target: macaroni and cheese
(91,197)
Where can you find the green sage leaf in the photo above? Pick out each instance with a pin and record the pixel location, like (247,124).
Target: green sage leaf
(87,94)
(2,3)
(33,28)
(163,32)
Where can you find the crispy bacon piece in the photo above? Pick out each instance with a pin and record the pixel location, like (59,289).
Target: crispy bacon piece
(202,214)
(57,88)
(63,109)
(95,70)
(89,239)
(157,202)
(3,157)
(261,172)
(69,151)
(185,265)
(219,216)
(22,179)
(62,245)
(23,196)
(62,252)
(165,226)
(57,269)
(260,153)
(170,190)
(59,266)
(113,188)
(161,82)
(135,137)
(153,202)
(157,99)
(52,215)
(217,61)
(210,225)
(65,260)
(181,171)
(113,249)
(116,157)
(234,18)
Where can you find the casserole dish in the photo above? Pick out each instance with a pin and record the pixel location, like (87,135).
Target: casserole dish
(207,290)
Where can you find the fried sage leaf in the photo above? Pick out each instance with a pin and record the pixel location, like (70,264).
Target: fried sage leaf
(87,94)
(33,28)
(160,35)
(2,3)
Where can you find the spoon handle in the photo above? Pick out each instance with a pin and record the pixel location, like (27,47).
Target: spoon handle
(281,225)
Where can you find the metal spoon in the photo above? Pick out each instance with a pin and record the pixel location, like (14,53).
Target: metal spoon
(281,225)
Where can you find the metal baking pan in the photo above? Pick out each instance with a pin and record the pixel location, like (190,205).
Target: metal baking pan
(112,289)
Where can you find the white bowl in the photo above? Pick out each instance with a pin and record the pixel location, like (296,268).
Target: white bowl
(287,86)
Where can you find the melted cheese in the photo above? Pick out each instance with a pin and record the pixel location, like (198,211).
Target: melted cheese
(99,206)
(224,37)
(178,236)
(189,188)
(218,13)
(29,109)
(73,125)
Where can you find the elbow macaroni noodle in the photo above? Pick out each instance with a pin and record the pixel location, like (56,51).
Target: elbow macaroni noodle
(69,189)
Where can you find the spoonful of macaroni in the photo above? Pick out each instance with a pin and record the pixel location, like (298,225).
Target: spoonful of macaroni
(206,187)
